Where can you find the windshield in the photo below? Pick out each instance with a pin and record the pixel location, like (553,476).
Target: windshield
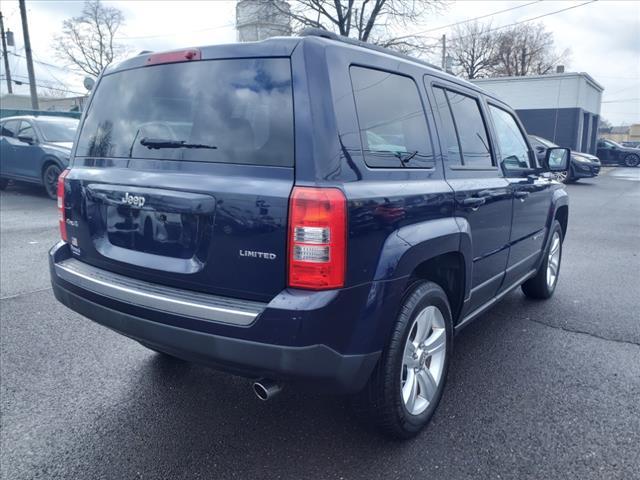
(62,130)
(611,143)
(545,142)
(229,111)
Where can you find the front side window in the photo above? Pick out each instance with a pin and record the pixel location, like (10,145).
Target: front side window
(222,111)
(10,128)
(26,130)
(514,152)
(392,122)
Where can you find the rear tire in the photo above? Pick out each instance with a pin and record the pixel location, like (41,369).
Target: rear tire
(632,160)
(407,384)
(543,284)
(50,180)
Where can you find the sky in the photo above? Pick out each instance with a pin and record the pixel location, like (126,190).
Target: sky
(603,36)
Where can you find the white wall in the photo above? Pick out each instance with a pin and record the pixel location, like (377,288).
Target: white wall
(568,90)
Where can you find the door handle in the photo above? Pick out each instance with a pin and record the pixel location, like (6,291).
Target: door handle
(521,195)
(473,202)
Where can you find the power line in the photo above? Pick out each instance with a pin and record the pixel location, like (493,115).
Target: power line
(533,18)
(40,62)
(622,100)
(470,19)
(20,82)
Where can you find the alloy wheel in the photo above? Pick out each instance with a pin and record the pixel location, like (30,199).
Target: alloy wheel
(51,175)
(423,360)
(553,261)
(632,160)
(561,176)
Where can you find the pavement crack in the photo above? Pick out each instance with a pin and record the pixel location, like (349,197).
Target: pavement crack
(583,332)
(9,297)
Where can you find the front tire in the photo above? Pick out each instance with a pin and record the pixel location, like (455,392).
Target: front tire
(407,384)
(50,180)
(632,160)
(543,284)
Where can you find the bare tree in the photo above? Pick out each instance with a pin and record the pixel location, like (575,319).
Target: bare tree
(474,49)
(87,41)
(527,49)
(373,21)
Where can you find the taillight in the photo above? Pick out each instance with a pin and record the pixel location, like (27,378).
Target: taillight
(317,238)
(61,212)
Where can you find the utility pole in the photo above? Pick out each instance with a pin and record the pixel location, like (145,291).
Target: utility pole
(27,51)
(6,57)
(444,52)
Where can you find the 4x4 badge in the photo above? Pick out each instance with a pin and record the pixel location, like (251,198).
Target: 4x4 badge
(135,200)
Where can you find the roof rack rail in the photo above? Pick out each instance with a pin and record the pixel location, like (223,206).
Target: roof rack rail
(319,32)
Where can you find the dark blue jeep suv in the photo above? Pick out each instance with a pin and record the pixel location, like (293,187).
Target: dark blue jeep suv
(307,210)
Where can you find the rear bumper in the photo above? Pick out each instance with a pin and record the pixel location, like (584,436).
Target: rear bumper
(317,366)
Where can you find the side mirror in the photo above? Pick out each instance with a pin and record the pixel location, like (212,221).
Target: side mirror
(557,159)
(26,139)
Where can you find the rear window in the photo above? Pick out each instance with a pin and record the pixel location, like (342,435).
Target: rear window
(58,130)
(227,111)
(393,126)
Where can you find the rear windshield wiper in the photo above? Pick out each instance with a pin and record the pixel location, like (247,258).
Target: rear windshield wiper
(155,143)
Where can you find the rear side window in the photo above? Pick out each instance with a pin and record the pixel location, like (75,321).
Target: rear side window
(10,128)
(471,132)
(227,111)
(514,152)
(392,122)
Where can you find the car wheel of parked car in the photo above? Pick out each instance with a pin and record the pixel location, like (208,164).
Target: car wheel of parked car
(3,183)
(50,180)
(632,160)
(406,385)
(543,284)
(562,177)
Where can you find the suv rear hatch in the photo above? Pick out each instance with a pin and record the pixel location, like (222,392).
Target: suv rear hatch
(182,174)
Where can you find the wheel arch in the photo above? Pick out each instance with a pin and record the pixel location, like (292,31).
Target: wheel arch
(49,160)
(436,250)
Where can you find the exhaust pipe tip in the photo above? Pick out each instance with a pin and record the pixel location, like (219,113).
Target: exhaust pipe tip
(266,389)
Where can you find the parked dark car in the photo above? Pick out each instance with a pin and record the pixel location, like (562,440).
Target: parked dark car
(582,165)
(610,152)
(630,144)
(335,242)
(35,149)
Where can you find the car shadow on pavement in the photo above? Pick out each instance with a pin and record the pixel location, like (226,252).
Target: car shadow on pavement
(502,409)
(21,188)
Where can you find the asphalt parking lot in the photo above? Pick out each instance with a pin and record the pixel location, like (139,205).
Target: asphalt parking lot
(536,389)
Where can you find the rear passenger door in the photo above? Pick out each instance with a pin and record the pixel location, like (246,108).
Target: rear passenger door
(532,193)
(482,195)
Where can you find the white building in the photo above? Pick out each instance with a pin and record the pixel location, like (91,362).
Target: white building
(563,107)
(15,101)
(261,19)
